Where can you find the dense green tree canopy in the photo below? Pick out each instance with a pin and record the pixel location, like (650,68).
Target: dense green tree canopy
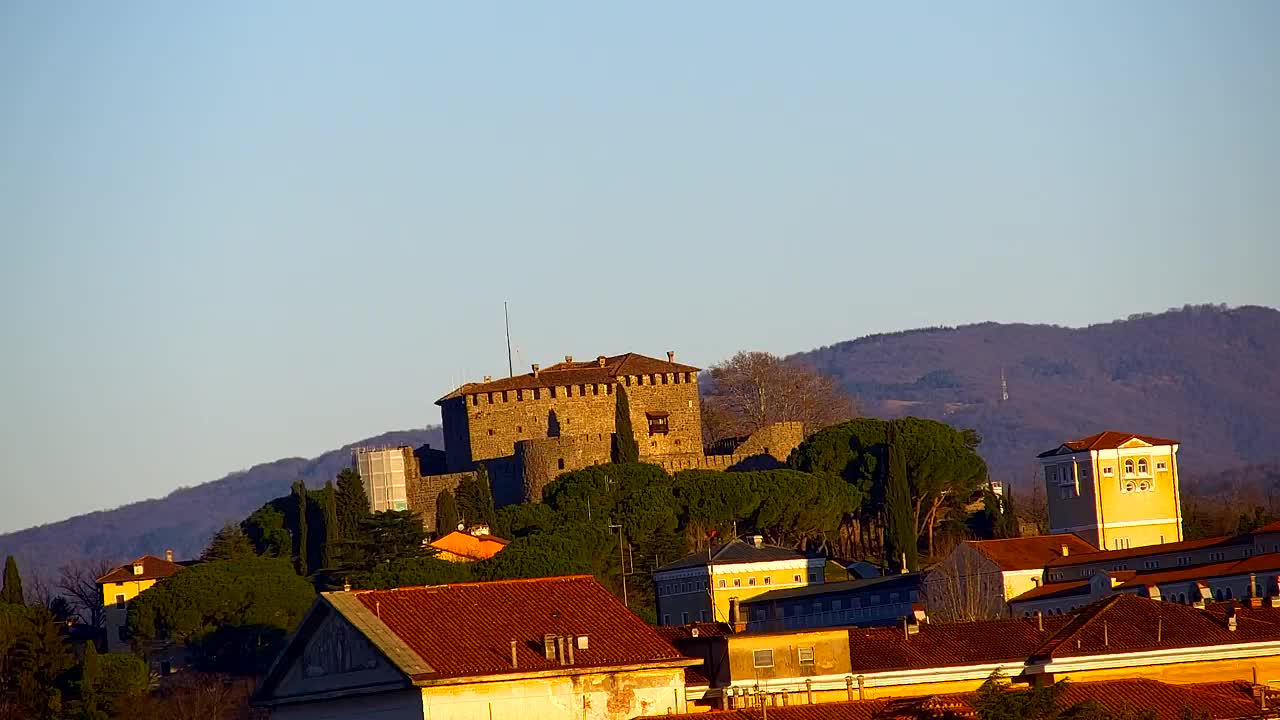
(233,613)
(12,589)
(228,543)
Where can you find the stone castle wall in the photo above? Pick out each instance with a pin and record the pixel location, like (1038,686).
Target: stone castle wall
(541,460)
(766,449)
(423,490)
(665,394)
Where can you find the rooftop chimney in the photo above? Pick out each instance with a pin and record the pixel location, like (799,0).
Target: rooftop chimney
(671,356)
(535,369)
(137,568)
(582,642)
(1065,551)
(513,655)
(600,360)
(488,378)
(346,586)
(568,358)
(757,540)
(1231,617)
(168,555)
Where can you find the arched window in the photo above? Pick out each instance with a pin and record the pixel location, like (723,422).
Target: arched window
(1217,594)
(1142,466)
(1227,593)
(1128,467)
(720,584)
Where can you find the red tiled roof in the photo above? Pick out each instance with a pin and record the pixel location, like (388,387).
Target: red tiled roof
(475,547)
(1031,553)
(1125,623)
(466,629)
(1268,562)
(949,644)
(1222,700)
(1149,550)
(575,373)
(1058,589)
(1268,528)
(153,568)
(1106,440)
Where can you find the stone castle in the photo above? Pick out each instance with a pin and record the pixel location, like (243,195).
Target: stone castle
(527,429)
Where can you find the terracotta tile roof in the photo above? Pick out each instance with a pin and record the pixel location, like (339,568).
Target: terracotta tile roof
(1053,590)
(153,568)
(1268,528)
(737,551)
(475,547)
(575,373)
(1106,440)
(949,644)
(1269,562)
(1031,553)
(466,629)
(1148,550)
(1126,623)
(1222,700)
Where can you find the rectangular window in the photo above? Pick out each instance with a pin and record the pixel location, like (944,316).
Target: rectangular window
(657,423)
(1161,466)
(805,655)
(768,580)
(1106,470)
(737,582)
(684,616)
(702,615)
(666,619)
(762,658)
(813,577)
(1120,544)
(1151,564)
(750,581)
(120,596)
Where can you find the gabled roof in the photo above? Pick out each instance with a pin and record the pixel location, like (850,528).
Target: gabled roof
(475,547)
(1054,590)
(1106,556)
(1105,440)
(1031,553)
(153,568)
(949,644)
(576,373)
(1268,562)
(737,551)
(467,629)
(698,629)
(1126,623)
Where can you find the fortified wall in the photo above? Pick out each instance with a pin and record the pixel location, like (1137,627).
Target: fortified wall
(423,490)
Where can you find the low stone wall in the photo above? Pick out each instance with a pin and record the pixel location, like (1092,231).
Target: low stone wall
(423,491)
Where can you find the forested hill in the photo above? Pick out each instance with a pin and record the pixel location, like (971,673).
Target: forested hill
(186,518)
(1206,375)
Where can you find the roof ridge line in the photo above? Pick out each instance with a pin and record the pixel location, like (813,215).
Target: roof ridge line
(504,581)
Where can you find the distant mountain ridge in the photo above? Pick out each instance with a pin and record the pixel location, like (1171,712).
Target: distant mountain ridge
(1208,376)
(186,518)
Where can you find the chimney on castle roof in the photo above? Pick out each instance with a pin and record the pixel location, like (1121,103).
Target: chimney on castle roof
(535,369)
(488,378)
(600,360)
(671,356)
(568,358)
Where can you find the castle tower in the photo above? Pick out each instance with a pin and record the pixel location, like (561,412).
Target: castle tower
(1116,490)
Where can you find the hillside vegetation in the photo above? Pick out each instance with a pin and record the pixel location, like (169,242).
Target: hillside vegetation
(186,518)
(1207,375)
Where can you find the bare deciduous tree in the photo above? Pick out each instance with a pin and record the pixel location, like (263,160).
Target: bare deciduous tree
(964,588)
(78,581)
(754,389)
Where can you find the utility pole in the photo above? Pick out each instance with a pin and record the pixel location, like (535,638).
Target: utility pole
(622,562)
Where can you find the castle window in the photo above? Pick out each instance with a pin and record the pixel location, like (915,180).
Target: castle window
(553,391)
(582,390)
(519,428)
(537,393)
(504,396)
(664,378)
(595,389)
(490,432)
(519,394)
(475,400)
(1128,467)
(1142,466)
(658,422)
(608,389)
(560,461)
(490,398)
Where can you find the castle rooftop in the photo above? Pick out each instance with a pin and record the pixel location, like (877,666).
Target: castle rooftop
(602,370)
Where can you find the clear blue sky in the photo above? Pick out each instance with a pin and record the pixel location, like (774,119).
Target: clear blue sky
(233,232)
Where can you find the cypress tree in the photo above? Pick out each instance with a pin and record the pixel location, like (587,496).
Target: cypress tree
(331,539)
(12,591)
(353,504)
(900,532)
(1008,516)
(446,513)
(90,678)
(300,493)
(626,449)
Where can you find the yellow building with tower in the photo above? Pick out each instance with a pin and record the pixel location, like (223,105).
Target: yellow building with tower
(707,586)
(1116,490)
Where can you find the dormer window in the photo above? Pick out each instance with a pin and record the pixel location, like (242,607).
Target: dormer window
(137,568)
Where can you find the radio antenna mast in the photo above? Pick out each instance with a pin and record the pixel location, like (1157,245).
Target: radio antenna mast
(511,370)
